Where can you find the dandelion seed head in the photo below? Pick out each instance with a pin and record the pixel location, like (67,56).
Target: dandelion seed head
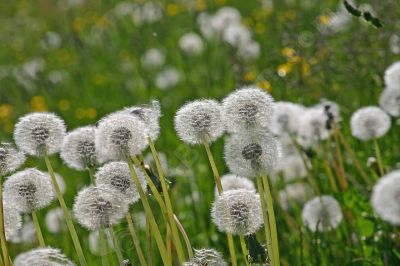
(25,235)
(291,167)
(120,135)
(249,51)
(153,58)
(78,149)
(117,176)
(313,127)
(12,220)
(29,190)
(322,214)
(43,256)
(94,242)
(297,193)
(234,182)
(390,101)
(55,221)
(369,123)
(285,118)
(247,108)
(199,120)
(392,75)
(167,78)
(39,133)
(191,44)
(10,158)
(209,257)
(99,207)
(386,197)
(237,35)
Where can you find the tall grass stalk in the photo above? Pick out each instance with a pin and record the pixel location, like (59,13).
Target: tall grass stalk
(244,250)
(135,239)
(379,157)
(185,237)
(111,235)
(38,231)
(2,230)
(103,248)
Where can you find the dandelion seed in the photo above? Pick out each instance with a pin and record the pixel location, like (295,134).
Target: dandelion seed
(96,208)
(392,75)
(285,118)
(12,220)
(78,149)
(237,212)
(199,121)
(43,256)
(29,190)
(386,197)
(248,108)
(117,176)
(248,156)
(10,158)
(191,44)
(38,134)
(55,221)
(369,123)
(322,214)
(209,257)
(234,182)
(297,193)
(390,101)
(120,135)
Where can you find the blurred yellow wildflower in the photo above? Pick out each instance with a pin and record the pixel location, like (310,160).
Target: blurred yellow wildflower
(91,113)
(324,19)
(220,2)
(260,28)
(37,104)
(172,9)
(64,105)
(265,85)
(5,111)
(305,67)
(79,24)
(288,52)
(201,5)
(249,76)
(103,22)
(284,69)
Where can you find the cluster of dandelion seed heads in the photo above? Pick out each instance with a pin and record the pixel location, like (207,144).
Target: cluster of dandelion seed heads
(369,123)
(78,149)
(12,220)
(98,207)
(117,176)
(39,133)
(313,127)
(322,214)
(29,190)
(249,156)
(237,212)
(119,136)
(43,256)
(386,197)
(390,101)
(392,75)
(10,158)
(209,257)
(55,220)
(233,182)
(285,118)
(249,108)
(199,121)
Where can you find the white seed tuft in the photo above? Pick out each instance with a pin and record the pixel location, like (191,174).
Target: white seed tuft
(55,221)
(369,123)
(43,256)
(10,158)
(285,118)
(392,75)
(390,101)
(209,257)
(12,220)
(234,182)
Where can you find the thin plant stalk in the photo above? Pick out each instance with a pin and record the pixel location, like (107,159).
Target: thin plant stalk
(218,183)
(268,237)
(185,237)
(379,157)
(149,214)
(244,250)
(103,248)
(111,235)
(330,176)
(170,212)
(1,261)
(2,230)
(338,165)
(149,243)
(67,214)
(135,239)
(168,244)
(339,156)
(38,231)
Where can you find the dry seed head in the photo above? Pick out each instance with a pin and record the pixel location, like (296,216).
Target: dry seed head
(233,182)
(392,75)
(10,158)
(390,101)
(285,118)
(43,256)
(369,123)
(12,220)
(209,257)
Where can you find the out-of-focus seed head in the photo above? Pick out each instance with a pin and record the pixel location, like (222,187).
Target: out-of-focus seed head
(392,75)
(99,207)
(249,156)
(322,214)
(296,193)
(292,167)
(78,149)
(191,44)
(29,190)
(369,123)
(10,158)
(313,127)
(285,118)
(55,221)
(249,108)
(25,235)
(386,197)
(237,212)
(119,136)
(117,176)
(390,101)
(199,121)
(331,110)
(43,256)
(12,220)
(233,182)
(39,133)
(209,257)
(95,243)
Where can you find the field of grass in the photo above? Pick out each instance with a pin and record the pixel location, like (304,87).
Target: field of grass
(83,59)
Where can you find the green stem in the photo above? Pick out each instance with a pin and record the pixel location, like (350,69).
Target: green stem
(67,214)
(1,261)
(149,214)
(231,249)
(103,248)
(135,239)
(38,231)
(379,157)
(170,212)
(148,243)
(266,221)
(91,175)
(120,257)
(185,237)
(2,229)
(244,250)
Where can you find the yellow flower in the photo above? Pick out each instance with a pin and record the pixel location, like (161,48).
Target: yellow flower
(260,28)
(288,52)
(5,111)
(249,76)
(201,5)
(37,104)
(79,24)
(285,69)
(324,19)
(265,85)
(91,113)
(172,9)
(220,2)
(80,113)
(103,22)
(305,67)
(64,105)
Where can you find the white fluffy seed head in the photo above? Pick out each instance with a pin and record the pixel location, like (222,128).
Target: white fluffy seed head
(237,35)
(285,118)
(78,149)
(291,167)
(392,75)
(250,156)
(237,212)
(249,108)
(29,190)
(43,256)
(99,207)
(118,177)
(294,193)
(199,121)
(191,44)
(322,214)
(331,110)
(10,158)
(209,257)
(120,135)
(153,58)
(313,127)
(39,133)
(95,243)
(55,221)
(386,197)
(390,101)
(12,220)
(369,123)
(233,182)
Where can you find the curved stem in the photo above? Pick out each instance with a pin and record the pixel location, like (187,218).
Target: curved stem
(38,231)
(185,237)
(2,229)
(135,239)
(244,250)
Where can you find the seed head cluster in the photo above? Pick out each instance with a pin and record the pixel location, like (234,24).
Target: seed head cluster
(10,158)
(43,256)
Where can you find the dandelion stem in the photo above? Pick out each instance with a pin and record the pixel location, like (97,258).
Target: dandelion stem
(135,239)
(244,250)
(379,157)
(91,175)
(168,243)
(185,237)
(103,248)
(149,214)
(38,231)
(2,229)
(111,235)
(1,261)
(67,213)
(149,243)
